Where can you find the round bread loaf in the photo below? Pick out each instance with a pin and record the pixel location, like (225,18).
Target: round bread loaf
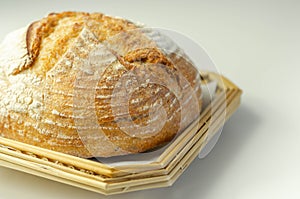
(92,85)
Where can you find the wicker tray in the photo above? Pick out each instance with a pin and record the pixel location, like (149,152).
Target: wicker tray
(99,177)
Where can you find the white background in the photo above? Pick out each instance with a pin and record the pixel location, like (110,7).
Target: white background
(254,43)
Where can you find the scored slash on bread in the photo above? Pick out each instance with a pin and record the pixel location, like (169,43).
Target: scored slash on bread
(92,85)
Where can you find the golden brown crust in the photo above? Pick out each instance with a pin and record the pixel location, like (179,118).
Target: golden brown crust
(51,104)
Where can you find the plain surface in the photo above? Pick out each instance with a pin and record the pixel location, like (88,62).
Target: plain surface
(254,43)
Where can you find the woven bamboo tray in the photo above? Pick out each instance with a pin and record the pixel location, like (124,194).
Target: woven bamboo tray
(99,177)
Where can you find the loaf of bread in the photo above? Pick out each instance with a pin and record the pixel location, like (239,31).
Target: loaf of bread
(92,85)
